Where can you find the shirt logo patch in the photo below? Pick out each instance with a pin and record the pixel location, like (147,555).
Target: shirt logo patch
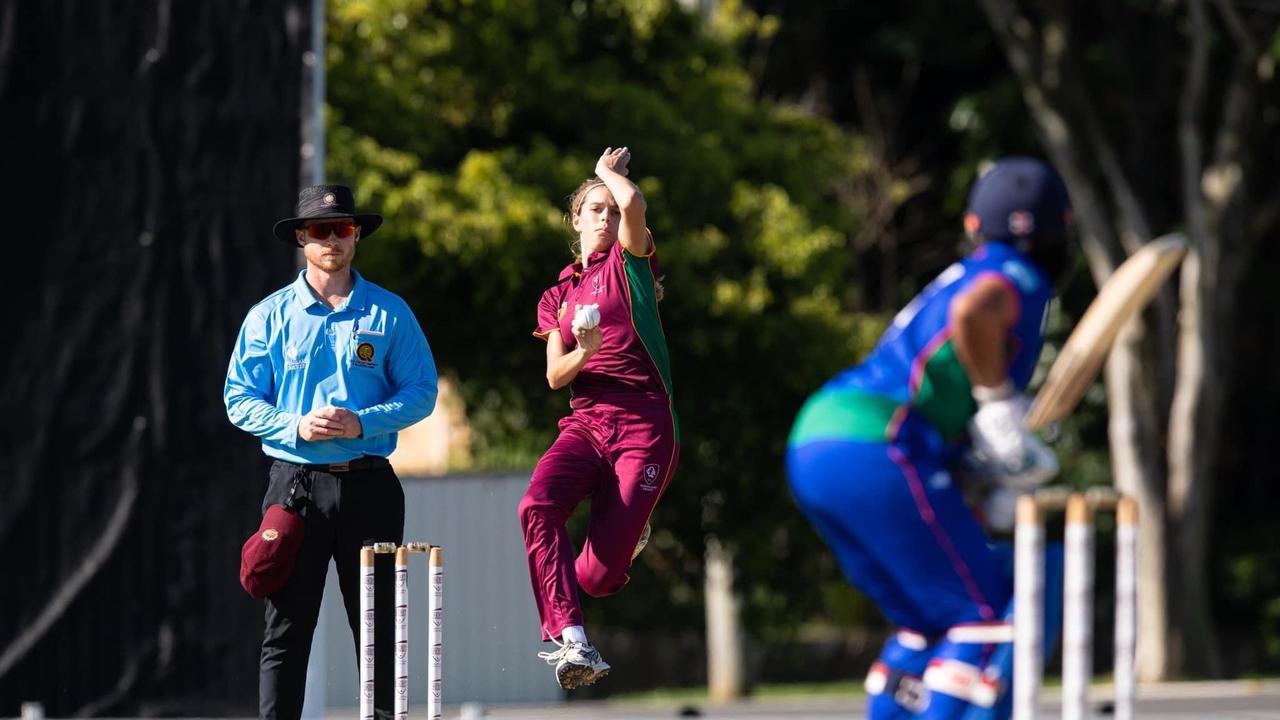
(1021,274)
(649,476)
(597,284)
(364,355)
(560,312)
(291,359)
(270,534)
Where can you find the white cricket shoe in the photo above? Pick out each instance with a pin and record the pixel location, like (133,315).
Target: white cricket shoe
(644,540)
(577,664)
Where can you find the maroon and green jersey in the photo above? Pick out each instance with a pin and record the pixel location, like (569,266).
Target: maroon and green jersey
(633,355)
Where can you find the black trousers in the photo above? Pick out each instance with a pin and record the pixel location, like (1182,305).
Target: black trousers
(345,511)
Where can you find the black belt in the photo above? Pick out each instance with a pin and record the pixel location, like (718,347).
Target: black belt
(364,462)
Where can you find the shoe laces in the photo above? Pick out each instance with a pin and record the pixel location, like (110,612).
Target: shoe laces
(586,654)
(554,656)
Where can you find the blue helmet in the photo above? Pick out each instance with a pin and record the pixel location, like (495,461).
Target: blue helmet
(1022,202)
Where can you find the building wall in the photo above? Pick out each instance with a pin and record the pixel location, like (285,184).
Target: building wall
(491,637)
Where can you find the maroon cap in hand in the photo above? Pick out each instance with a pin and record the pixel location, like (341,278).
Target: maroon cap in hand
(266,560)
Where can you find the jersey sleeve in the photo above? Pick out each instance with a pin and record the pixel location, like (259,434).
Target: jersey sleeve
(550,308)
(413,374)
(1033,292)
(626,258)
(618,250)
(250,392)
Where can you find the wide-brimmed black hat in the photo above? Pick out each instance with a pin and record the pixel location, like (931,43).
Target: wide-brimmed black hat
(323,202)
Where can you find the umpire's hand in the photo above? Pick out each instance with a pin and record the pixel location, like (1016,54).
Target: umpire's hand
(328,423)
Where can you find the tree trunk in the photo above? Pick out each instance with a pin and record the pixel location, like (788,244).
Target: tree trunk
(1214,191)
(1191,640)
(1131,414)
(726,677)
(1074,139)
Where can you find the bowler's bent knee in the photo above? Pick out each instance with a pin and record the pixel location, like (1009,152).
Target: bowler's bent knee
(597,580)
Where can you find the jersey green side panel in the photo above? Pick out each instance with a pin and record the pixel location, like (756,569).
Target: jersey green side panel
(844,415)
(675,419)
(945,395)
(644,314)
(648,325)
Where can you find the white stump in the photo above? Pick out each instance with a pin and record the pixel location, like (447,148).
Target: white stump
(1028,609)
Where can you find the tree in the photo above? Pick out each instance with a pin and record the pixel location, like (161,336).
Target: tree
(1152,136)
(918,85)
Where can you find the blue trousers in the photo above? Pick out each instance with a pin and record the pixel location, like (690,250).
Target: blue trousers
(902,532)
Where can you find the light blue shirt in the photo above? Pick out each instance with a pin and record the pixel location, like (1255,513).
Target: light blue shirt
(295,354)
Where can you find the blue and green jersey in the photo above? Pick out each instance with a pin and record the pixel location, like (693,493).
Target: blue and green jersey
(914,371)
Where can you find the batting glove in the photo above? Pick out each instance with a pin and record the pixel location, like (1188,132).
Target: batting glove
(1014,456)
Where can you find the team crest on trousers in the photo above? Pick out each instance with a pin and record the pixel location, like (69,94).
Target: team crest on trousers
(649,476)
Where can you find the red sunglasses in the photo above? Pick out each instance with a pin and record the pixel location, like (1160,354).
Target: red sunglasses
(321,231)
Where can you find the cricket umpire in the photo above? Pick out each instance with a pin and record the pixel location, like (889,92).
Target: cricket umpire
(326,371)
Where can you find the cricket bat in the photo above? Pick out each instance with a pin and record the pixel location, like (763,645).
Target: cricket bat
(1121,298)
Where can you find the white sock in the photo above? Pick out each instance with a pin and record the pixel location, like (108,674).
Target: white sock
(574,634)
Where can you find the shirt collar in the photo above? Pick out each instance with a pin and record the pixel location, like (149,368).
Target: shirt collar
(359,292)
(302,291)
(357,300)
(576,268)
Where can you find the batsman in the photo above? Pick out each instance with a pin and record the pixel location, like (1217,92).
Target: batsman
(872,456)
